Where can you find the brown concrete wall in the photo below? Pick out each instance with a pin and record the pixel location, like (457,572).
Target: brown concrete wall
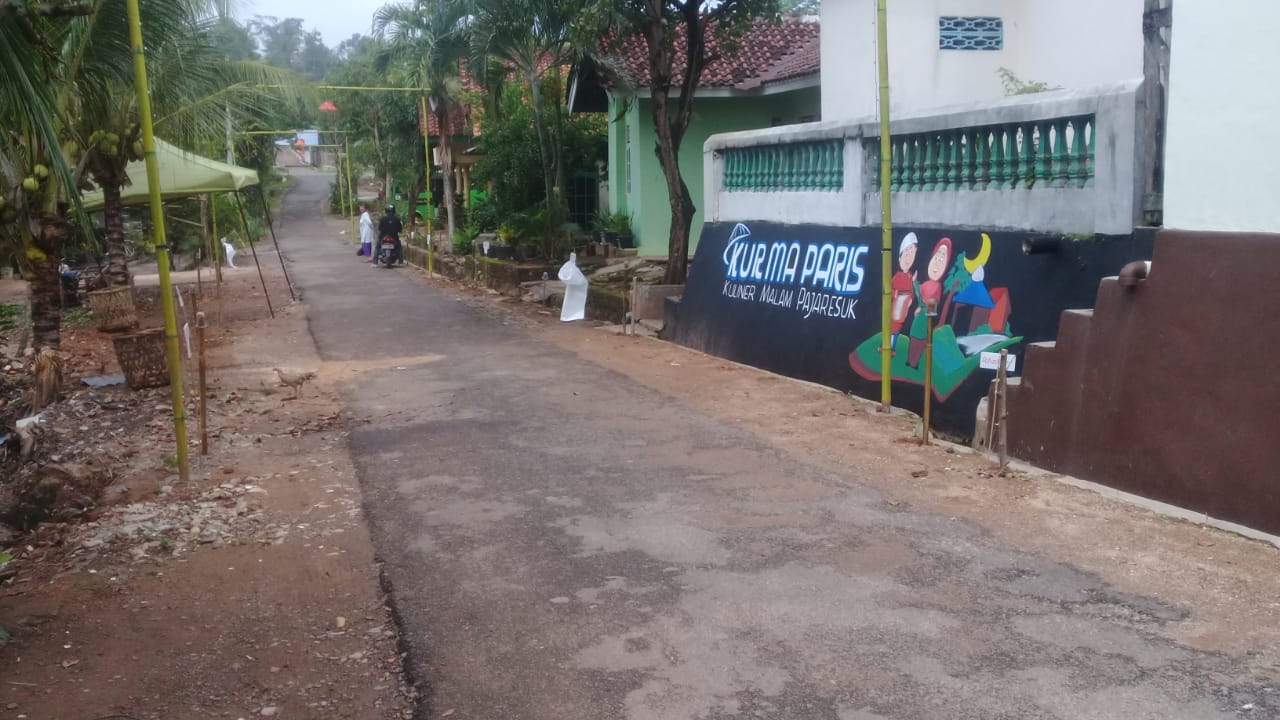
(1170,389)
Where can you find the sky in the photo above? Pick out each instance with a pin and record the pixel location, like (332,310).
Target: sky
(336,20)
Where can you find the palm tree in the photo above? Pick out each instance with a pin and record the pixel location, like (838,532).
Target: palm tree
(35,179)
(430,39)
(194,87)
(533,38)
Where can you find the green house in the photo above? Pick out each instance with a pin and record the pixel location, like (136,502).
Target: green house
(770,79)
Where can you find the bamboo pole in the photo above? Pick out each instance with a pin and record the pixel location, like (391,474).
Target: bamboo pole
(160,241)
(244,222)
(351,191)
(886,212)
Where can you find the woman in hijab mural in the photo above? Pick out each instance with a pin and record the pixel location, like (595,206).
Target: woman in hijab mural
(960,294)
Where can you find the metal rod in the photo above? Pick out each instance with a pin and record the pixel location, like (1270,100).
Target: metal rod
(266,211)
(244,221)
(931,309)
(886,214)
(201,324)
(172,355)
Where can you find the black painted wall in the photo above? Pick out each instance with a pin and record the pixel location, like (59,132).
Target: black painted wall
(804,301)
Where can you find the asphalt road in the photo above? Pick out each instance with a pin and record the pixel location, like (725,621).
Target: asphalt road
(561,543)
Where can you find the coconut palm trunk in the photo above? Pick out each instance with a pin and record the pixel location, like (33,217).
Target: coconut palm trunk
(446,167)
(45,255)
(117,272)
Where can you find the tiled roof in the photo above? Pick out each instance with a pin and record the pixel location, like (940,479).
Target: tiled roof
(768,52)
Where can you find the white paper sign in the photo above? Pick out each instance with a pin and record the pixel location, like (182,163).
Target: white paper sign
(991,361)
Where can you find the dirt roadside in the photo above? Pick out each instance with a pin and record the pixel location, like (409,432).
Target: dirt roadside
(1227,584)
(251,591)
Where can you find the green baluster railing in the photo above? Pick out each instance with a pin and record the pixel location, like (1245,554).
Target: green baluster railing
(1071,131)
(1089,152)
(953,160)
(999,169)
(1080,153)
(1060,157)
(1044,153)
(896,162)
(930,174)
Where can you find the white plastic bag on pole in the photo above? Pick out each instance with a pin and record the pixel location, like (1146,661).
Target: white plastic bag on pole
(575,291)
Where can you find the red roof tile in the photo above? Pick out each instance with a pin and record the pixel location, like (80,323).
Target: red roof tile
(768,52)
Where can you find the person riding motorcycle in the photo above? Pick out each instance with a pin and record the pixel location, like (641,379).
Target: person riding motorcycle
(389,226)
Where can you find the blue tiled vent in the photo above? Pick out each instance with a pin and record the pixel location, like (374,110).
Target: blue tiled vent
(970,33)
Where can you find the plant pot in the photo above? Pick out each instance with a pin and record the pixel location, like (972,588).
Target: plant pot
(626,241)
(611,237)
(502,252)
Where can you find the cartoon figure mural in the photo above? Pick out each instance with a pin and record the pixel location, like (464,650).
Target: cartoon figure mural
(904,284)
(958,294)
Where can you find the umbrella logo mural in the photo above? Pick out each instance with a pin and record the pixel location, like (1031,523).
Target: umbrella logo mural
(972,317)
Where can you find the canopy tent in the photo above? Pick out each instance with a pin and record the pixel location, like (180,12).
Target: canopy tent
(182,175)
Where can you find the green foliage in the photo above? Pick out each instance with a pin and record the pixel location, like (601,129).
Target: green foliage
(674,75)
(1014,85)
(510,160)
(463,242)
(619,222)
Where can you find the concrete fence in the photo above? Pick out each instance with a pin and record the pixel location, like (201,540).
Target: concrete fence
(1065,161)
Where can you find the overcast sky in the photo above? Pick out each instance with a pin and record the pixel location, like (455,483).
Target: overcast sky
(336,20)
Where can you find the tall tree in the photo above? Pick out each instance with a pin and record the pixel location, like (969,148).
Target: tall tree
(35,178)
(194,87)
(676,35)
(534,40)
(430,39)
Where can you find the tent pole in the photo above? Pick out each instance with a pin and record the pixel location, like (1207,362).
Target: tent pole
(262,197)
(244,221)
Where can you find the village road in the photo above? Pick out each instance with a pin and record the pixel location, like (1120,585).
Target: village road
(562,543)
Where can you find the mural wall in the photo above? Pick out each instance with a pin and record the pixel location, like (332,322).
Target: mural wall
(804,301)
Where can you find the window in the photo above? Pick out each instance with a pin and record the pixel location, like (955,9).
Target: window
(970,33)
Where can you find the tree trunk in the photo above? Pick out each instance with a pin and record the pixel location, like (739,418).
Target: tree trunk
(682,208)
(540,129)
(45,254)
(446,166)
(117,272)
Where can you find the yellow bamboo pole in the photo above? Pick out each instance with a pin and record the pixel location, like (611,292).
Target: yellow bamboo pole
(161,242)
(886,211)
(351,190)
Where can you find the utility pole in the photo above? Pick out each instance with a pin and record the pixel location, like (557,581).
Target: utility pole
(1157,24)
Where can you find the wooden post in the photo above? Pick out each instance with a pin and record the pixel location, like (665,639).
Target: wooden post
(1002,392)
(930,312)
(634,296)
(204,390)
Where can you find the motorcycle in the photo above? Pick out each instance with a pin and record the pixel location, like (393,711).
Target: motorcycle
(387,253)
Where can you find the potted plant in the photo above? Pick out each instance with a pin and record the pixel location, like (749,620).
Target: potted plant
(505,249)
(618,229)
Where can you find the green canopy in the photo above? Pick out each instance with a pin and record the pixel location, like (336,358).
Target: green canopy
(182,174)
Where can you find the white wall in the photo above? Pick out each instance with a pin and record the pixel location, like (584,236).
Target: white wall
(1068,44)
(1078,43)
(1224,59)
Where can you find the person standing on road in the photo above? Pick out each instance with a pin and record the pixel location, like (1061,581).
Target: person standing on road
(366,233)
(389,226)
